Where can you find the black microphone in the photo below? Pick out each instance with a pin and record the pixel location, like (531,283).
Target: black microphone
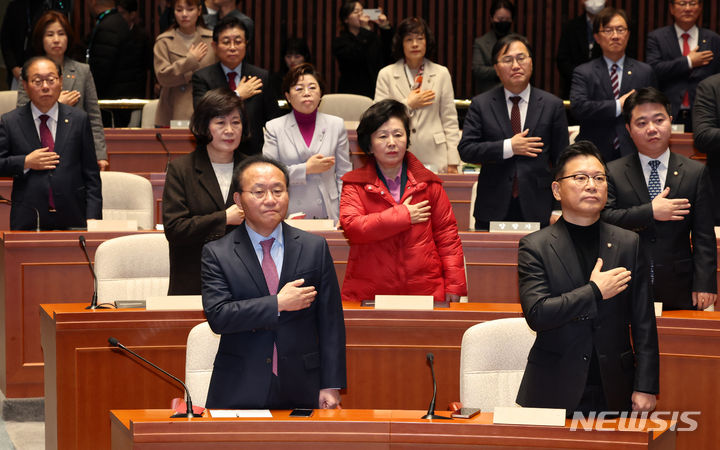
(189,414)
(37,213)
(159,138)
(431,409)
(93,302)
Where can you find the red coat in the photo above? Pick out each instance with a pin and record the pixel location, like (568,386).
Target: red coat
(388,254)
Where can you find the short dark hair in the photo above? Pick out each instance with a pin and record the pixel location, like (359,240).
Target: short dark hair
(643,96)
(297,46)
(33,60)
(41,25)
(252,160)
(579,148)
(606,15)
(215,103)
(226,23)
(502,4)
(413,25)
(292,77)
(503,44)
(128,5)
(347,7)
(378,114)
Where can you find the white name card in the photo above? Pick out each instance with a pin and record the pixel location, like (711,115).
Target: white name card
(404,302)
(514,227)
(312,224)
(111,225)
(550,417)
(174,303)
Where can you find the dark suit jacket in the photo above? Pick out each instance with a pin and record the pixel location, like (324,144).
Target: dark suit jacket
(706,126)
(360,58)
(75,181)
(679,268)
(310,342)
(561,307)
(113,61)
(259,108)
(193,214)
(487,124)
(573,50)
(592,103)
(673,72)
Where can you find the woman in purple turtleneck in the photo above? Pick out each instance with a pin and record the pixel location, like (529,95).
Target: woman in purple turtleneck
(313,145)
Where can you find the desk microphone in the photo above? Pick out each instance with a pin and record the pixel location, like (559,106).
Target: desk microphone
(431,409)
(37,213)
(189,414)
(159,138)
(93,302)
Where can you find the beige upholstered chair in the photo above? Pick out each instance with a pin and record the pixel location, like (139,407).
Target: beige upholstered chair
(148,114)
(348,106)
(132,267)
(8,101)
(127,196)
(492,362)
(202,345)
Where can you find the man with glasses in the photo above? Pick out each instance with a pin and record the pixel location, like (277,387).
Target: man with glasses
(230,44)
(682,55)
(516,132)
(668,200)
(599,87)
(271,292)
(48,149)
(582,282)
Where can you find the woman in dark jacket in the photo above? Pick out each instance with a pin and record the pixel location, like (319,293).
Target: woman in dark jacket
(198,202)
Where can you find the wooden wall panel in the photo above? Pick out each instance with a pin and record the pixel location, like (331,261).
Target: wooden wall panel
(455,23)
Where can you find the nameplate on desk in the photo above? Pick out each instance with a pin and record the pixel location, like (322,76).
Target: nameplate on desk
(312,224)
(111,225)
(180,124)
(513,227)
(174,303)
(241,413)
(549,417)
(404,302)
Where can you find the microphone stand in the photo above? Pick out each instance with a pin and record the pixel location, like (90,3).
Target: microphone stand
(159,138)
(431,409)
(94,302)
(35,210)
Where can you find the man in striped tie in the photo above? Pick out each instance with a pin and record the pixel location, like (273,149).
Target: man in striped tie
(668,200)
(600,87)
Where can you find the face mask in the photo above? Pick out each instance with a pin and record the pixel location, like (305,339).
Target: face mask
(594,6)
(501,28)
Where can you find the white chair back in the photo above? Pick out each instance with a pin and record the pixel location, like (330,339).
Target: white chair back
(133,267)
(348,106)
(473,197)
(127,196)
(202,346)
(8,101)
(148,114)
(493,357)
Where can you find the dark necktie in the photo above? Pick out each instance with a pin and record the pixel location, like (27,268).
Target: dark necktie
(516,128)
(46,140)
(654,189)
(686,51)
(231,80)
(616,92)
(272,279)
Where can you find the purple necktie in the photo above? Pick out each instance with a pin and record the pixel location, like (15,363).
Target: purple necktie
(616,93)
(231,80)
(272,279)
(516,128)
(46,140)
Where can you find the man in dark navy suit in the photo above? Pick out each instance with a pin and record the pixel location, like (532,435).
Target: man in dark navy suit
(271,291)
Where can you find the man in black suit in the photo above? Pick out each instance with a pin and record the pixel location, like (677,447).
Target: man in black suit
(271,291)
(600,87)
(249,82)
(706,123)
(667,199)
(516,132)
(48,149)
(582,282)
(682,55)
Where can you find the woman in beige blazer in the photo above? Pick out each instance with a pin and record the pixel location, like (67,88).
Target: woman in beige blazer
(180,51)
(426,89)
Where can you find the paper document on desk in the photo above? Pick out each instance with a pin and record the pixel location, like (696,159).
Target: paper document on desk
(242,413)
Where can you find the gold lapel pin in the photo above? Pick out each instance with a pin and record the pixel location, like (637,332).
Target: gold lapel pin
(675,173)
(629,72)
(609,244)
(67,121)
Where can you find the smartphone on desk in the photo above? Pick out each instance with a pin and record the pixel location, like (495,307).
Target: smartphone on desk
(301,412)
(465,413)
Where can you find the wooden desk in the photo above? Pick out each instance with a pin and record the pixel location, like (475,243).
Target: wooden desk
(363,429)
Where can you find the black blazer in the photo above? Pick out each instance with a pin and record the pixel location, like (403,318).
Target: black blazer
(193,214)
(75,181)
(487,125)
(561,307)
(671,67)
(592,103)
(573,50)
(259,108)
(238,306)
(360,58)
(679,267)
(706,126)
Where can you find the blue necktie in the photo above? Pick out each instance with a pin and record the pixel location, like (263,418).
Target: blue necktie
(654,187)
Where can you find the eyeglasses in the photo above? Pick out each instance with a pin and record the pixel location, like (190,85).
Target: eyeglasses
(508,60)
(686,4)
(609,31)
(38,82)
(260,194)
(582,179)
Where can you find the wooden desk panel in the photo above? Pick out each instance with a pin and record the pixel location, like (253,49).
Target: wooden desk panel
(137,150)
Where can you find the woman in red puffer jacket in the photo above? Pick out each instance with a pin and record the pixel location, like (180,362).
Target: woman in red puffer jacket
(395,213)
